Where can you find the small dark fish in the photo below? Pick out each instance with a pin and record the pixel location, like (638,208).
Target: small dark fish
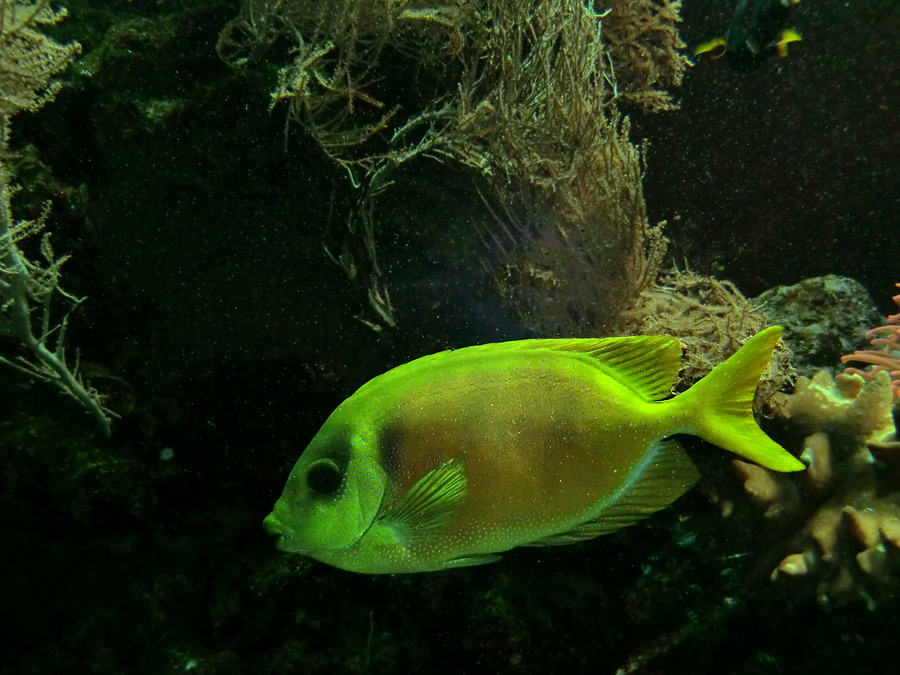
(755,32)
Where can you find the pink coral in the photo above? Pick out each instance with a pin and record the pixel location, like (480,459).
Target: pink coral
(886,355)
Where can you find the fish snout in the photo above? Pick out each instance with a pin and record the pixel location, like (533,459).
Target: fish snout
(273,525)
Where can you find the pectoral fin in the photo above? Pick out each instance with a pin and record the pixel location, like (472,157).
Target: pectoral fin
(430,503)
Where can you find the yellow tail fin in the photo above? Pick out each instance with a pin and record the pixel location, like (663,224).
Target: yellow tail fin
(721,405)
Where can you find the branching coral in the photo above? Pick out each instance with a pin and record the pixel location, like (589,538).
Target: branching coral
(29,62)
(886,353)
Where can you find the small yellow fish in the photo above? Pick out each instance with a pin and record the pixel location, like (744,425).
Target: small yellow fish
(453,458)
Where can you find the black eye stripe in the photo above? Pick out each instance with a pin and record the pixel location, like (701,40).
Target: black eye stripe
(324,477)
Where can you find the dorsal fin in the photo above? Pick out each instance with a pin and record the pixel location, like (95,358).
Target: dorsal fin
(647,364)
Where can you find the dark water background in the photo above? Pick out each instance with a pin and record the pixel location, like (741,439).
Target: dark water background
(225,337)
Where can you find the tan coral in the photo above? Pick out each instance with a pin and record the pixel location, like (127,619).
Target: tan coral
(846,506)
(772,491)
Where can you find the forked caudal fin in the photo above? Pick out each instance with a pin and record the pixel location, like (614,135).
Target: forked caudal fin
(722,405)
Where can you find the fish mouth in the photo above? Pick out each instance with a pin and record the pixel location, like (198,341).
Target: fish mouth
(274,526)
(285,536)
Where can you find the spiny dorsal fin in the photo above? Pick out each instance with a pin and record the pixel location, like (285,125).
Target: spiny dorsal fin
(430,503)
(668,474)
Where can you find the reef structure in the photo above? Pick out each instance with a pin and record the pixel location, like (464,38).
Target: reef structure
(841,517)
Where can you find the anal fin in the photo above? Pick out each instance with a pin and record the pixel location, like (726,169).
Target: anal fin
(664,475)
(469,560)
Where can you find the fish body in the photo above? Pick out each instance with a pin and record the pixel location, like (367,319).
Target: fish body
(450,459)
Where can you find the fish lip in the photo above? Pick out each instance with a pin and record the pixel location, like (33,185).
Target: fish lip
(271,524)
(286,536)
(284,545)
(287,543)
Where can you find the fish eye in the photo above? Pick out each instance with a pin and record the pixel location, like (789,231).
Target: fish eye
(324,477)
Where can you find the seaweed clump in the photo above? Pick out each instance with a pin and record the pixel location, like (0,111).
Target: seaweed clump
(523,94)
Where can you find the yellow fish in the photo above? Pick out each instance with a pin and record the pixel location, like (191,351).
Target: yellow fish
(450,459)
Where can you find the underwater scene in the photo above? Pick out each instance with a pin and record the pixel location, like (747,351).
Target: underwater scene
(475,336)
